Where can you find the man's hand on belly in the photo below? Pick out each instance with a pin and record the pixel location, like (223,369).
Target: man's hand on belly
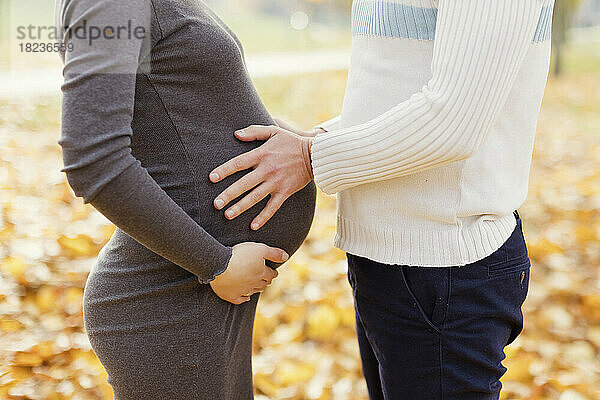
(281,167)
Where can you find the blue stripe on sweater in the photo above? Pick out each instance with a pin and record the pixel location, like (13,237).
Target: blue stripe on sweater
(385,18)
(544,27)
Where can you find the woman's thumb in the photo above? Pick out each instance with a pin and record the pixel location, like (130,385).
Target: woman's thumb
(274,254)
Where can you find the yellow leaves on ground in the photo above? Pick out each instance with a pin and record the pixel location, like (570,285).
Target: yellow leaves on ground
(10,325)
(542,248)
(78,246)
(590,307)
(323,322)
(290,373)
(15,267)
(48,243)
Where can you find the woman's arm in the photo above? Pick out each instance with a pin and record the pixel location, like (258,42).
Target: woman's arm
(98,101)
(479,48)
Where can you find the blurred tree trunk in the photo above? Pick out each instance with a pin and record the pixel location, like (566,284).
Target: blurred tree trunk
(563,11)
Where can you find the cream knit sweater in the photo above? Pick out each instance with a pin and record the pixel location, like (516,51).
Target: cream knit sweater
(432,151)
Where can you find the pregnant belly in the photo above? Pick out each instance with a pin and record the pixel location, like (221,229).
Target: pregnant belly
(182,171)
(181,148)
(287,229)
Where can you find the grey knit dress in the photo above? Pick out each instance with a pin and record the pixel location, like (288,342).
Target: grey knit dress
(153,91)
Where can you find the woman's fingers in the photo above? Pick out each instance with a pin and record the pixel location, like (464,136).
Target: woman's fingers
(259,289)
(270,209)
(274,254)
(241,300)
(244,184)
(268,276)
(236,164)
(234,299)
(256,132)
(247,202)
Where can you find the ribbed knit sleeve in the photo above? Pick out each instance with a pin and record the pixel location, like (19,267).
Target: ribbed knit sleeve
(98,102)
(479,47)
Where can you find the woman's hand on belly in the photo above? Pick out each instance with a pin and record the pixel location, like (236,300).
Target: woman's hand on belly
(247,272)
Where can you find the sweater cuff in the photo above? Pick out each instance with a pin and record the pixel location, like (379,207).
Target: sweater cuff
(321,152)
(220,260)
(329,125)
(340,160)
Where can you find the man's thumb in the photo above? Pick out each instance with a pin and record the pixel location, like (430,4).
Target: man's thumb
(255,132)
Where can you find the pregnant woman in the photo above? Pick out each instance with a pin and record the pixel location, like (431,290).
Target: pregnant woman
(153,91)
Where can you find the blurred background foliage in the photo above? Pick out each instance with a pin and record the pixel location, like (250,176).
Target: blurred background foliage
(304,344)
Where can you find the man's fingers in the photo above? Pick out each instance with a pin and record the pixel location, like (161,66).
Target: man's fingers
(244,184)
(247,202)
(270,209)
(256,132)
(236,164)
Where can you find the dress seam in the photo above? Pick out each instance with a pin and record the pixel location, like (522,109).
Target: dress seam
(183,147)
(162,36)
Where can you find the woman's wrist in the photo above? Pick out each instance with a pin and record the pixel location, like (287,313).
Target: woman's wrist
(221,266)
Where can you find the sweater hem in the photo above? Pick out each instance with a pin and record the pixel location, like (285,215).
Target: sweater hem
(452,247)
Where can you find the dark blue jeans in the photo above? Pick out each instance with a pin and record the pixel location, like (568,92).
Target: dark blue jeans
(439,333)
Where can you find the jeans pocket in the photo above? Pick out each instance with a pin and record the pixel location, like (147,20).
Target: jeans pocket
(520,265)
(511,257)
(429,290)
